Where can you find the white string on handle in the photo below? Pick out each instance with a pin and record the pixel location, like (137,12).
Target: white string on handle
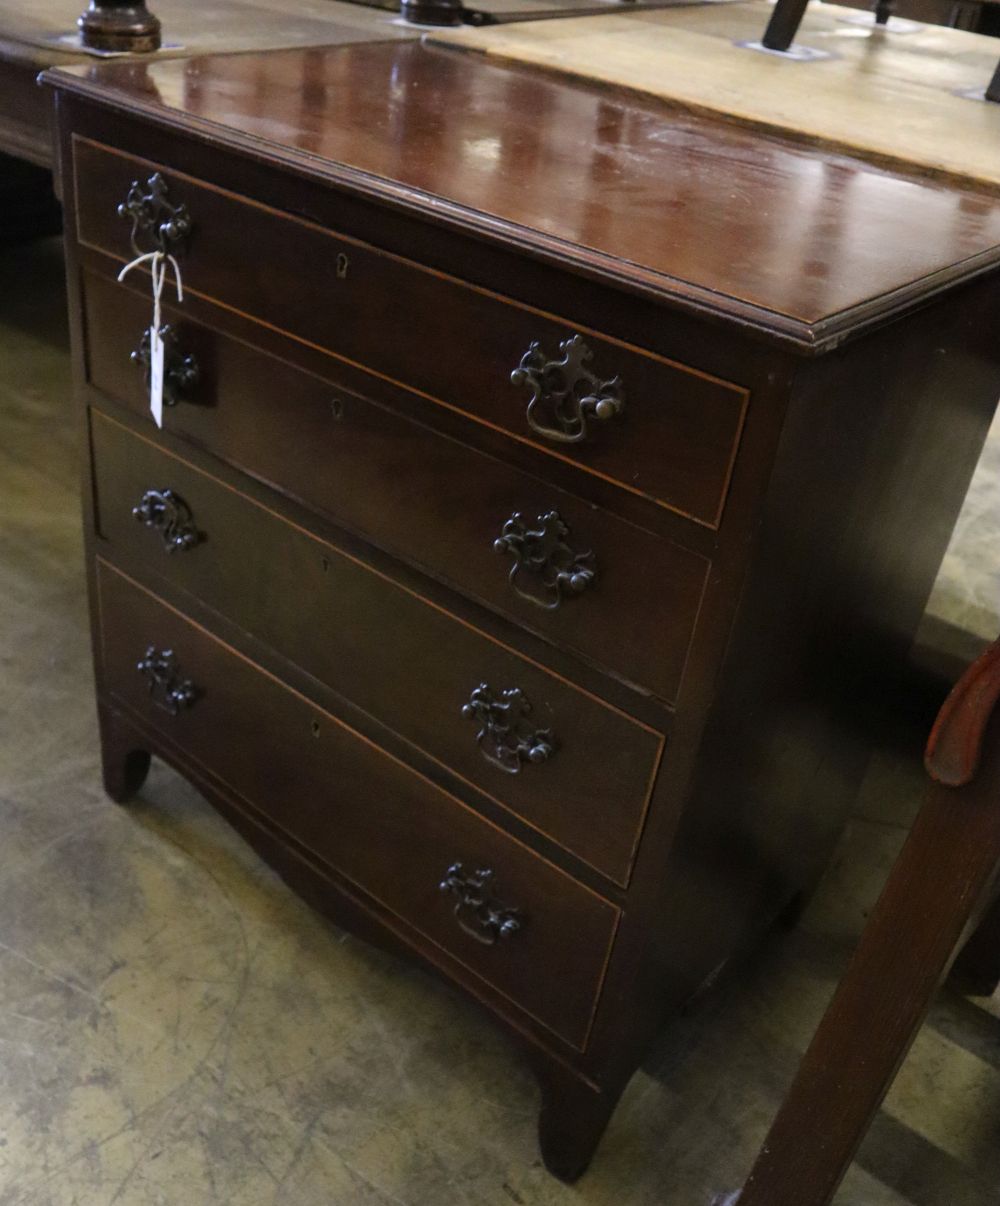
(157,261)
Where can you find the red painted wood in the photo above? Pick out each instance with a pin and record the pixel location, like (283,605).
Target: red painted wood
(955,745)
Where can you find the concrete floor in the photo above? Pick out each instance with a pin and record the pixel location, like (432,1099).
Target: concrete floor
(177,1028)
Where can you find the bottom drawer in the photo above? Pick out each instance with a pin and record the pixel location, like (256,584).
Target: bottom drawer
(506,915)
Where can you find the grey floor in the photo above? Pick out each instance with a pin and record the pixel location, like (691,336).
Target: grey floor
(176,1028)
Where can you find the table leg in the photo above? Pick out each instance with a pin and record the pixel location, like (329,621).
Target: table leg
(784,24)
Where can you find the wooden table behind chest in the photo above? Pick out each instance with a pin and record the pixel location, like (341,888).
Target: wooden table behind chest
(515,613)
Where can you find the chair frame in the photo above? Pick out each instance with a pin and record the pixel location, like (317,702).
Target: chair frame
(941,889)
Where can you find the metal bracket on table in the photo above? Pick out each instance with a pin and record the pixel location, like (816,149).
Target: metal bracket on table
(795,52)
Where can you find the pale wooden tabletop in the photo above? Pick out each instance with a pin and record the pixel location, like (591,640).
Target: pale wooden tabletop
(892,97)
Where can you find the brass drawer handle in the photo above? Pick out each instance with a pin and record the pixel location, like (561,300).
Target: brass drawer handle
(476,911)
(168,688)
(565,394)
(165,226)
(180,372)
(506,737)
(545,568)
(170,515)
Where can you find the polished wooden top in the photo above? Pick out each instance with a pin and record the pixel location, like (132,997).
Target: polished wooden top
(805,244)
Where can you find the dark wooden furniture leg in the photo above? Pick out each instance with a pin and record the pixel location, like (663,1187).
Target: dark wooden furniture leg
(124,762)
(937,887)
(784,24)
(119,25)
(573,1118)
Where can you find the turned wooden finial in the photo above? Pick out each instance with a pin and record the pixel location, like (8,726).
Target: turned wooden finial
(119,25)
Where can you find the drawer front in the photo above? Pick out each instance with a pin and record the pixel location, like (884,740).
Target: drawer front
(630,606)
(654,427)
(387,830)
(568,764)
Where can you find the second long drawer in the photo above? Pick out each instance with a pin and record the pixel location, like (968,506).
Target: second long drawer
(421,496)
(570,765)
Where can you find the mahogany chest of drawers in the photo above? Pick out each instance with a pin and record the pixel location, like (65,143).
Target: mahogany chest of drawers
(544,478)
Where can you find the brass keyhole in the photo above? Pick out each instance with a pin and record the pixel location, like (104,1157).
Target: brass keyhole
(342,265)
(337,408)
(314,728)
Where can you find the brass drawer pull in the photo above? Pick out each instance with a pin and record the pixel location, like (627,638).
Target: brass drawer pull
(545,568)
(170,515)
(165,226)
(180,371)
(566,395)
(506,737)
(476,911)
(167,686)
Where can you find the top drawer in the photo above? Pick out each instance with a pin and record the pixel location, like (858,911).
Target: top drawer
(653,427)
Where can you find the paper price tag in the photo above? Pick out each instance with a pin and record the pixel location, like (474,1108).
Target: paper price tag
(157,261)
(156,375)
